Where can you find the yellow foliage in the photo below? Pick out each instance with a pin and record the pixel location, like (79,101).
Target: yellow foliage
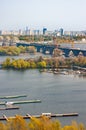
(42,123)
(17,123)
(2,126)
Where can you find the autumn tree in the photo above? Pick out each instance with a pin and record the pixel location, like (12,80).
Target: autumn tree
(31,49)
(7,63)
(41,64)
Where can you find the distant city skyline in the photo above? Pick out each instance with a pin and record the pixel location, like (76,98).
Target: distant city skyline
(37,14)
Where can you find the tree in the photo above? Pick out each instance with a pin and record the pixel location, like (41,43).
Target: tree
(7,63)
(31,49)
(41,64)
(22,49)
(32,64)
(57,53)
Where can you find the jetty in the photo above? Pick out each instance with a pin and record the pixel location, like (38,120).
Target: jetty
(14,96)
(28,101)
(60,115)
(50,115)
(20,102)
(10,108)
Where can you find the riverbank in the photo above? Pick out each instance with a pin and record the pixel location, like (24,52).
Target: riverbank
(41,123)
(78,63)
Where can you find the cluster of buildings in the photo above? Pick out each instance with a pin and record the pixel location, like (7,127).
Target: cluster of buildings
(44,31)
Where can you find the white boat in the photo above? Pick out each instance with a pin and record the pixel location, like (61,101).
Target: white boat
(9,103)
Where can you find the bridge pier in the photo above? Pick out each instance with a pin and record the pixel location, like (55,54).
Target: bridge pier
(50,48)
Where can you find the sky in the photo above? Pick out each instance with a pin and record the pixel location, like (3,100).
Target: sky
(36,14)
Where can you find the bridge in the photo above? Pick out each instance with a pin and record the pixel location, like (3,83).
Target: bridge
(43,48)
(72,51)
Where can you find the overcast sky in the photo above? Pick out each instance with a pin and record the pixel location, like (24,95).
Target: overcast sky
(36,14)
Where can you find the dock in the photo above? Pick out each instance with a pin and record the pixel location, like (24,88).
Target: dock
(10,108)
(50,115)
(14,96)
(60,115)
(21,102)
(28,101)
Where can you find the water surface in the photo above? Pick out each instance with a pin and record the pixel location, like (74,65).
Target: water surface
(58,93)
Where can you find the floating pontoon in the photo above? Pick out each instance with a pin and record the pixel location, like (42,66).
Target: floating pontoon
(50,115)
(20,102)
(14,96)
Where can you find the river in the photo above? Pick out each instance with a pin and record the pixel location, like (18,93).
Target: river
(58,93)
(81,45)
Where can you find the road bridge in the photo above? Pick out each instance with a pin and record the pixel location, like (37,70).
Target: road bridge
(72,51)
(43,48)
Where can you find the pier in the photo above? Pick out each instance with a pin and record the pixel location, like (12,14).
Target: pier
(14,96)
(10,108)
(50,115)
(20,102)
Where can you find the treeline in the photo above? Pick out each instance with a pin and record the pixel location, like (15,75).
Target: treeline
(58,39)
(43,123)
(34,38)
(44,62)
(15,51)
(23,64)
(40,38)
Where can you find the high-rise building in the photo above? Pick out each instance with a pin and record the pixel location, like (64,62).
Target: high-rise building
(0,32)
(36,32)
(44,31)
(20,32)
(61,31)
(26,31)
